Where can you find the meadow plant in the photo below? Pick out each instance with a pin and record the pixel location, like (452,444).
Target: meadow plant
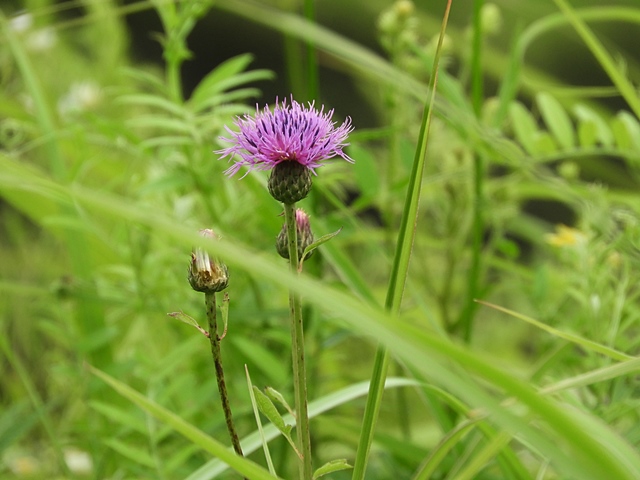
(292,142)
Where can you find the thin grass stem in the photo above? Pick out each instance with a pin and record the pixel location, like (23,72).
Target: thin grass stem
(400,268)
(466,318)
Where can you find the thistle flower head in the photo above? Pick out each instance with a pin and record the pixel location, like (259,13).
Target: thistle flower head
(291,133)
(207,274)
(304,236)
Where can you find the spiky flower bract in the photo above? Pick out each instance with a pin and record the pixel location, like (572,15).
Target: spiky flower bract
(289,133)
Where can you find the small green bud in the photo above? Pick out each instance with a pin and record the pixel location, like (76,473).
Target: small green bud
(207,274)
(303,233)
(290,182)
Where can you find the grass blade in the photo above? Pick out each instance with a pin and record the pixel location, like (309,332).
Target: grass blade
(400,268)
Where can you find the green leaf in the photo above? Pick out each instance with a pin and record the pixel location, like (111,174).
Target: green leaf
(444,446)
(557,119)
(545,144)
(184,318)
(332,466)
(594,376)
(226,69)
(239,94)
(626,128)
(276,396)
(269,410)
(148,100)
(126,419)
(583,342)
(524,127)
(218,84)
(588,115)
(224,310)
(587,133)
(317,243)
(160,122)
(134,454)
(147,78)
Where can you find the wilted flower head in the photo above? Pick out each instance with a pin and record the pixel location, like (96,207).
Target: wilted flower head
(304,235)
(207,274)
(291,133)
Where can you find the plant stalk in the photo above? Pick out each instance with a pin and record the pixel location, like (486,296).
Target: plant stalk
(210,302)
(297,350)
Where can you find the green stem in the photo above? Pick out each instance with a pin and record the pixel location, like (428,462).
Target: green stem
(312,56)
(297,349)
(210,302)
(466,320)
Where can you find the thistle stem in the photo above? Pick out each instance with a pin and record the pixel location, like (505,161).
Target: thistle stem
(297,349)
(210,302)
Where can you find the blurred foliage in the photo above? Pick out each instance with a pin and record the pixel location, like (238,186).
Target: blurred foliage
(84,108)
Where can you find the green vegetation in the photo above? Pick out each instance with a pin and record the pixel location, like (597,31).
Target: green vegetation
(504,239)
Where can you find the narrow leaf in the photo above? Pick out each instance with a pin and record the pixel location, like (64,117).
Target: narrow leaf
(440,451)
(524,126)
(184,318)
(588,115)
(557,119)
(632,128)
(134,454)
(269,410)
(583,342)
(332,466)
(318,242)
(276,396)
(148,100)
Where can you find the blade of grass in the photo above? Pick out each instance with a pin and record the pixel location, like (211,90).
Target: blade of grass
(583,342)
(400,267)
(466,319)
(440,451)
(265,444)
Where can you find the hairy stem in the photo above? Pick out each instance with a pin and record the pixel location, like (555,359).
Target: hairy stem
(297,349)
(210,301)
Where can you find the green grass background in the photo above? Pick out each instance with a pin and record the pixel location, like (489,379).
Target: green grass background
(107,173)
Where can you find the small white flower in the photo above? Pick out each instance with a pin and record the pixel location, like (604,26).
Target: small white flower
(21,23)
(81,96)
(42,40)
(78,461)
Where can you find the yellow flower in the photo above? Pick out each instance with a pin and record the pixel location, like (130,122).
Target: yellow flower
(565,237)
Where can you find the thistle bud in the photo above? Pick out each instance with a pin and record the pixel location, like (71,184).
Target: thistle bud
(303,233)
(289,182)
(207,274)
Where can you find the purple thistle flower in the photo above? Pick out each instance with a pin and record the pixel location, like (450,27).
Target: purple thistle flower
(291,133)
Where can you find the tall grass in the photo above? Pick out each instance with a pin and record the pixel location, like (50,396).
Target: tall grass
(514,344)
